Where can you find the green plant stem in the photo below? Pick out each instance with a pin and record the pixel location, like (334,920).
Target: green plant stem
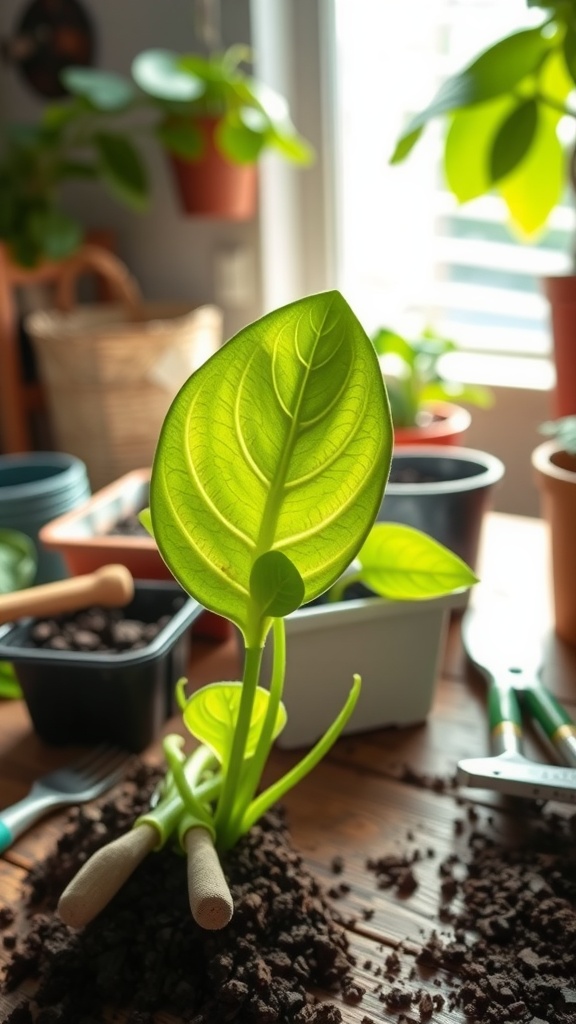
(278,789)
(232,771)
(196,765)
(255,766)
(337,591)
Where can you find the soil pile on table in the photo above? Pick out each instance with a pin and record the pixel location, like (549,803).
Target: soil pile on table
(144,953)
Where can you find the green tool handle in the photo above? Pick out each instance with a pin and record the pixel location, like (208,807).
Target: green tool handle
(554,719)
(505,719)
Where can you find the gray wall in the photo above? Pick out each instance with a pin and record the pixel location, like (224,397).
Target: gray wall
(171,255)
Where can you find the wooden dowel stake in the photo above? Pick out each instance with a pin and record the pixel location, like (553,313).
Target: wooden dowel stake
(210,900)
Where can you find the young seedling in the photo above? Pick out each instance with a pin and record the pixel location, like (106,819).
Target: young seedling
(268,476)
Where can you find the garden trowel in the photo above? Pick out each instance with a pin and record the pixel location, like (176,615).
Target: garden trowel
(510,659)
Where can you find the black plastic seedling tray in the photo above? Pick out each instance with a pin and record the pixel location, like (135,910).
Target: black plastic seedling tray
(123,698)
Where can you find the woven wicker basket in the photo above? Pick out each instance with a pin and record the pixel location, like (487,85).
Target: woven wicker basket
(110,371)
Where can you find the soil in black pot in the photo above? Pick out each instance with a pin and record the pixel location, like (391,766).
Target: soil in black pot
(97,630)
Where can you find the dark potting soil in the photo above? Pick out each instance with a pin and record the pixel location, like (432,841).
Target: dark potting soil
(128,526)
(144,953)
(507,956)
(97,629)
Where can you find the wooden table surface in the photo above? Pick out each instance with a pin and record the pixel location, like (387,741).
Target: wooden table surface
(359,802)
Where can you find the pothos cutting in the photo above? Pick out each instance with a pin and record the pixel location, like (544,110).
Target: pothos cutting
(268,476)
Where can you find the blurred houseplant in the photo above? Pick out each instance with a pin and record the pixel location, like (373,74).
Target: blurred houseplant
(17,571)
(72,140)
(423,402)
(502,115)
(213,119)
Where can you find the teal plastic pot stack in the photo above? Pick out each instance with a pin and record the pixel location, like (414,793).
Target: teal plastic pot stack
(36,487)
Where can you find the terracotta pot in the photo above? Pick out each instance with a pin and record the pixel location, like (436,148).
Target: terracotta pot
(448,426)
(555,473)
(561,294)
(85,544)
(214,186)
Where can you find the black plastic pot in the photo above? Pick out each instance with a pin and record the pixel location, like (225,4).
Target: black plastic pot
(121,698)
(443,491)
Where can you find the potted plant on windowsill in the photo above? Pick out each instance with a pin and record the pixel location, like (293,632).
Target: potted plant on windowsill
(502,114)
(554,464)
(423,402)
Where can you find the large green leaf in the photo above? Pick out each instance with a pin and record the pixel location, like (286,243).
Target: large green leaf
(237,141)
(403,564)
(468,145)
(513,139)
(280,442)
(211,713)
(533,190)
(495,72)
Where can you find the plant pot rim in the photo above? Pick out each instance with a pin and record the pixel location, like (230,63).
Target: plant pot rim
(62,470)
(154,649)
(455,419)
(492,469)
(546,469)
(368,608)
(62,528)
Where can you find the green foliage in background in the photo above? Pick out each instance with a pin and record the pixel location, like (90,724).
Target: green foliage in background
(18,561)
(502,113)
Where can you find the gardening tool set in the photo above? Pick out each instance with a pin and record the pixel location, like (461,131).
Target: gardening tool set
(510,659)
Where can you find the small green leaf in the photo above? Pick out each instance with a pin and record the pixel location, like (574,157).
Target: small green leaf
(10,688)
(403,564)
(18,560)
(146,519)
(237,141)
(387,342)
(56,234)
(182,137)
(160,74)
(123,168)
(211,714)
(513,139)
(452,391)
(405,145)
(105,90)
(292,147)
(276,585)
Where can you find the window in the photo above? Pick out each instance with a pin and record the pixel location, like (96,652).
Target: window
(408,255)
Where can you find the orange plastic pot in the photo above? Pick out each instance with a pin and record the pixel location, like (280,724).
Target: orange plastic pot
(448,425)
(213,186)
(561,294)
(555,474)
(82,538)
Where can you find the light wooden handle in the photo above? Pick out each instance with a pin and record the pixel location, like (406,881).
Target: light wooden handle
(111,586)
(210,900)
(100,878)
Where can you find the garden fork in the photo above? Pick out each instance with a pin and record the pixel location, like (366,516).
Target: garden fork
(84,780)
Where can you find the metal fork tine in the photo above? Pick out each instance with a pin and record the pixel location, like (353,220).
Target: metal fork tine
(111,765)
(86,761)
(101,757)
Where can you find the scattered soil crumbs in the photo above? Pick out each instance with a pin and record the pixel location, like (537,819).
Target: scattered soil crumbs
(145,954)
(506,898)
(508,955)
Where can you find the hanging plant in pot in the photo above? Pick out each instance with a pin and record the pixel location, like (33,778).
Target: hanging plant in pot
(215,122)
(503,114)
(424,403)
(268,476)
